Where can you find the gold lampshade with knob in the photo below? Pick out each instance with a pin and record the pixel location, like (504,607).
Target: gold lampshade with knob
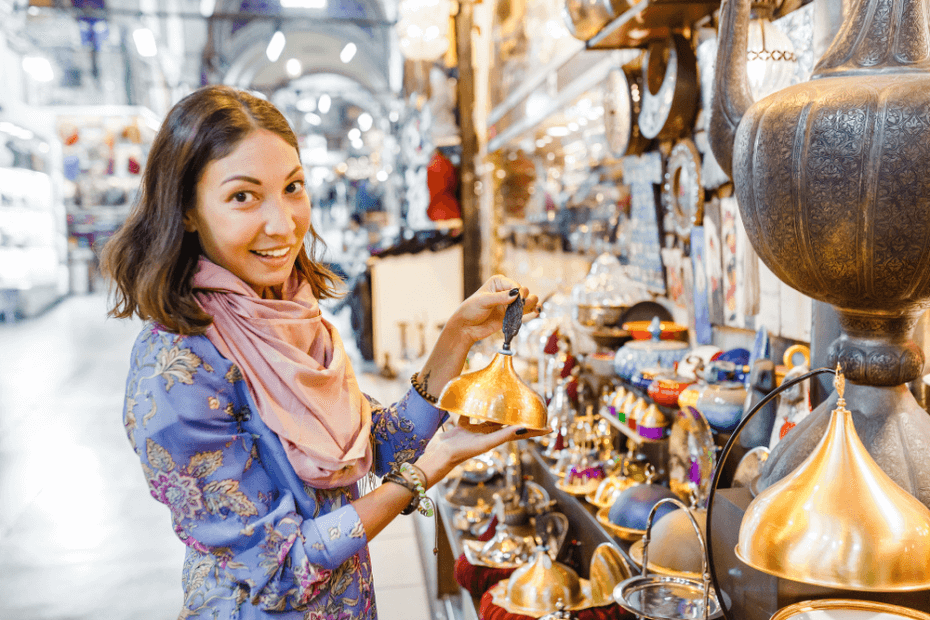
(838,520)
(496,394)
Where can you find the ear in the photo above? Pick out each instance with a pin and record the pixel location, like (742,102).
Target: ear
(189,224)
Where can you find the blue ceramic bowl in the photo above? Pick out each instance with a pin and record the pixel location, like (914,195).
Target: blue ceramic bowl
(632,506)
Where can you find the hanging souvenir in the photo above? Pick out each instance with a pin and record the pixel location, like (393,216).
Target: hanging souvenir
(671,90)
(682,194)
(641,174)
(702,329)
(622,102)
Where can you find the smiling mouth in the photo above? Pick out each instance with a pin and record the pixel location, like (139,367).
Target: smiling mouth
(273,253)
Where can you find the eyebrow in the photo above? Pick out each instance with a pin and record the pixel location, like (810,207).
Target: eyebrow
(253,180)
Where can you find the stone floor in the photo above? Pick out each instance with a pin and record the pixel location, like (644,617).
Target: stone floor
(80,536)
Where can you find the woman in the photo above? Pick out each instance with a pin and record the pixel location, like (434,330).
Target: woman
(240,401)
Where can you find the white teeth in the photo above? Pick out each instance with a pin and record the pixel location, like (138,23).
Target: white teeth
(273,253)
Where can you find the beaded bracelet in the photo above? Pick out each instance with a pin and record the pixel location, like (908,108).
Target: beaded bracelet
(422,391)
(413,479)
(410,485)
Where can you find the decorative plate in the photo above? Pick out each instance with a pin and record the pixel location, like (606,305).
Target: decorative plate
(623,95)
(843,609)
(670,90)
(682,194)
(691,455)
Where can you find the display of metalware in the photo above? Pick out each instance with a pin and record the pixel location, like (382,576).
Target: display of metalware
(496,394)
(653,424)
(536,588)
(664,597)
(824,172)
(623,95)
(628,515)
(805,528)
(665,389)
(614,484)
(847,609)
(510,547)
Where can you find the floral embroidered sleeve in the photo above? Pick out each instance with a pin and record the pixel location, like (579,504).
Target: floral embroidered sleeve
(402,430)
(189,421)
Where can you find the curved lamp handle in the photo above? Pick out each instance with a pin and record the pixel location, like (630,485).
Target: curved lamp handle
(719,468)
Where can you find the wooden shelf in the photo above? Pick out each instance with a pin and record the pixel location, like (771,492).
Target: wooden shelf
(650,20)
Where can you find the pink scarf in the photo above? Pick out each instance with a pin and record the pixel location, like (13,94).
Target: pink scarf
(297,370)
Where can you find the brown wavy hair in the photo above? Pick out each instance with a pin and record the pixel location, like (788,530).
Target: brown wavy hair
(151,259)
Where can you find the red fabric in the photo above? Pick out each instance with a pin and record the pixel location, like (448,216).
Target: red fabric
(489,611)
(478,579)
(442,181)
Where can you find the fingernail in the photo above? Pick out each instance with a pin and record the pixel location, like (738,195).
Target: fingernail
(514,292)
(521,431)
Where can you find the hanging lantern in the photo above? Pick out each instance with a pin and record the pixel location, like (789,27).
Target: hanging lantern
(423,29)
(771,61)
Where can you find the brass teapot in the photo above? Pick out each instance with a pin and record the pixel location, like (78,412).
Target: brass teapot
(832,179)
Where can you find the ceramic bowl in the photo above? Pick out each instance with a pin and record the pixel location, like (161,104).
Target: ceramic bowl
(665,389)
(722,404)
(639,330)
(639,354)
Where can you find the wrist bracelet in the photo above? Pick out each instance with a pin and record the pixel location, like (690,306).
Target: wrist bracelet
(421,391)
(393,476)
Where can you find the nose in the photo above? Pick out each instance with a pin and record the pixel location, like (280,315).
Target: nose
(279,218)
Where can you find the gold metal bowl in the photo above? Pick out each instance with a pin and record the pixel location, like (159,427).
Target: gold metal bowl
(495,394)
(607,491)
(846,609)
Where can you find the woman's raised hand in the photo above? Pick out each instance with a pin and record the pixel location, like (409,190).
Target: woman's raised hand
(482,314)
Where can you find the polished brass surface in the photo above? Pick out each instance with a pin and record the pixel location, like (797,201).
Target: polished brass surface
(535,588)
(830,178)
(607,491)
(660,597)
(495,394)
(846,609)
(608,568)
(838,520)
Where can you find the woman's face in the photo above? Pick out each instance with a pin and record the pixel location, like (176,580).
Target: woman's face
(253,211)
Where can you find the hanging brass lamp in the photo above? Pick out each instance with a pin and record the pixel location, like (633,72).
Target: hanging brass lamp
(838,520)
(496,393)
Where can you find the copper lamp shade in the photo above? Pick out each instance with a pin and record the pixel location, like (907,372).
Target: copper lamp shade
(496,393)
(839,521)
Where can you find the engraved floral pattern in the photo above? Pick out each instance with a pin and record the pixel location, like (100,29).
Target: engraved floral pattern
(258,546)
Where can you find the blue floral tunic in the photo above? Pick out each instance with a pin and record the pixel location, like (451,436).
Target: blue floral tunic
(260,542)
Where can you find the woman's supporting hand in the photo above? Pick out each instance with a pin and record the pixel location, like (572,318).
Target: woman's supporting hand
(478,317)
(458,444)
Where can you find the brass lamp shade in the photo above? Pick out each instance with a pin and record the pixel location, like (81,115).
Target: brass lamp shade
(495,394)
(839,521)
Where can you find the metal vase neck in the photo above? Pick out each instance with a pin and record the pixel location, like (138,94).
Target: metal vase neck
(879,36)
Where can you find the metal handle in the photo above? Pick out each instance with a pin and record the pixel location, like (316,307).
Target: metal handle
(705,572)
(513,319)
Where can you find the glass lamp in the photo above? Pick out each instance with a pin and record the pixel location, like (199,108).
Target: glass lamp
(771,61)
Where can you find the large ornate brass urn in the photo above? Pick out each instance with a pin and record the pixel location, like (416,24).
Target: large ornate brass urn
(833,182)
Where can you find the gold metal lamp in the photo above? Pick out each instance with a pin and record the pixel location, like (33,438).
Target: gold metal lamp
(496,394)
(838,520)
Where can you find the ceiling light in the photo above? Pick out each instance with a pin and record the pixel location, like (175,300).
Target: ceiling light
(382,176)
(324,103)
(145,42)
(39,68)
(275,46)
(307,104)
(355,134)
(365,121)
(558,131)
(573,126)
(394,116)
(313,119)
(207,7)
(293,67)
(303,4)
(348,52)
